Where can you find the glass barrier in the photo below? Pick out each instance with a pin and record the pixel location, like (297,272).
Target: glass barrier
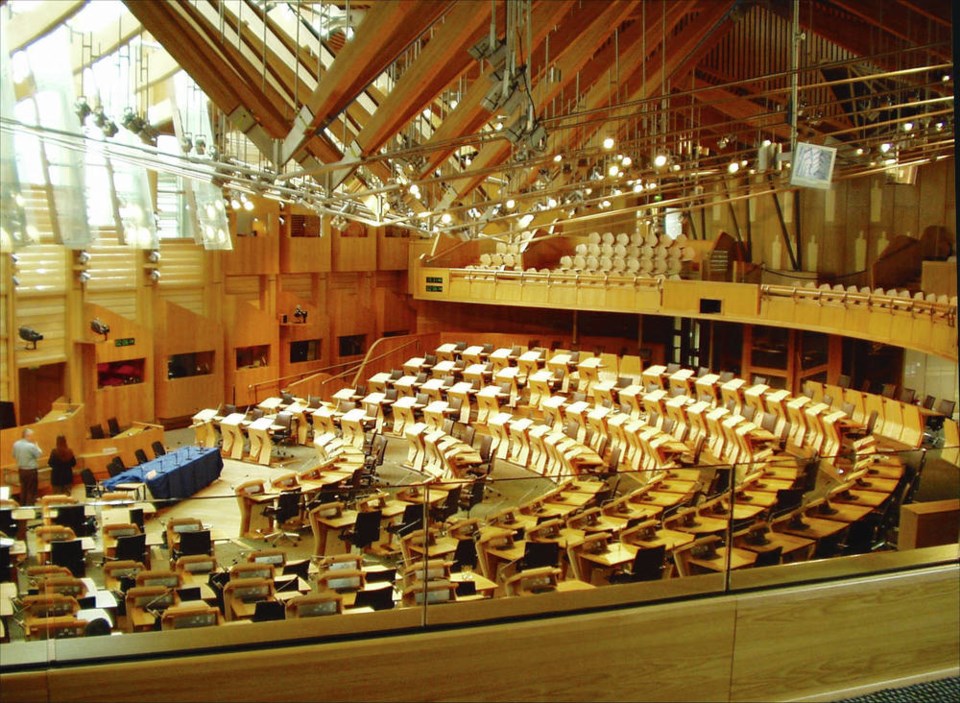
(398,533)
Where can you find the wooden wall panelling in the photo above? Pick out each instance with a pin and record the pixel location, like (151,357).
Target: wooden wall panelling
(392,246)
(906,213)
(258,249)
(393,308)
(317,326)
(248,326)
(47,314)
(805,642)
(181,265)
(124,402)
(72,426)
(354,248)
(181,331)
(303,254)
(350,299)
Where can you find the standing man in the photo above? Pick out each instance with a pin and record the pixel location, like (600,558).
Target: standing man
(25,453)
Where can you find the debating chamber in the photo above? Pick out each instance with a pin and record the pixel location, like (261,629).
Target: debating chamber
(487,350)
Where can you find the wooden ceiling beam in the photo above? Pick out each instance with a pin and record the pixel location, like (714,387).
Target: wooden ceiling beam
(571,58)
(470,115)
(736,106)
(443,59)
(934,10)
(24,28)
(384,33)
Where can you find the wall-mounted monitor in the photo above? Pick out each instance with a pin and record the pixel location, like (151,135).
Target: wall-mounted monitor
(813,166)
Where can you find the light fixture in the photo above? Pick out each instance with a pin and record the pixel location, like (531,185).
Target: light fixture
(557,158)
(510,204)
(154,256)
(733,167)
(82,108)
(83,276)
(31,336)
(247,204)
(155,276)
(446,218)
(200,145)
(98,326)
(885,147)
(859,151)
(608,143)
(627,162)
(907,126)
(83,257)
(300,314)
(613,171)
(660,160)
(551,202)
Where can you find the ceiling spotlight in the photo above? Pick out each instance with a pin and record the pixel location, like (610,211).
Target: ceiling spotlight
(200,145)
(885,147)
(83,257)
(613,171)
(247,205)
(604,204)
(551,202)
(234,203)
(155,276)
(733,167)
(98,326)
(608,143)
(31,336)
(907,126)
(638,187)
(83,276)
(510,204)
(939,126)
(946,77)
(859,151)
(660,160)
(82,108)
(627,161)
(154,256)
(446,218)
(186,144)
(300,314)
(110,129)
(557,159)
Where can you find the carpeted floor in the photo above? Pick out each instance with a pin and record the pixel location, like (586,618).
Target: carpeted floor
(940,691)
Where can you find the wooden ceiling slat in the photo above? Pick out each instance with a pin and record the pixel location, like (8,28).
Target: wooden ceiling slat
(898,21)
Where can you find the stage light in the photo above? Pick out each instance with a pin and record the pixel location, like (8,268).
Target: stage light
(660,160)
(31,336)
(608,143)
(98,326)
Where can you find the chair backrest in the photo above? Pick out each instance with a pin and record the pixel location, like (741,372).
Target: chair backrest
(141,455)
(252,571)
(648,564)
(843,380)
(284,420)
(946,407)
(928,402)
(538,554)
(367,528)
(288,505)
(69,554)
(89,480)
(197,542)
(907,395)
(196,564)
(131,548)
(160,578)
(96,432)
(113,425)
(158,448)
(115,467)
(275,557)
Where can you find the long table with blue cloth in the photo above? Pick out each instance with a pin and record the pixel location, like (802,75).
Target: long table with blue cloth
(175,475)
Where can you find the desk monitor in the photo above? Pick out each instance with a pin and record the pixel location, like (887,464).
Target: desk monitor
(195,542)
(297,568)
(376,599)
(8,525)
(189,593)
(265,610)
(382,575)
(136,517)
(466,588)
(87,602)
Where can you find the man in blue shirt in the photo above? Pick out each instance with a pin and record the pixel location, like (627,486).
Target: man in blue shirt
(25,454)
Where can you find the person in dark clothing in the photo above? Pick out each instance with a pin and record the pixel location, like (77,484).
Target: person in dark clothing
(62,461)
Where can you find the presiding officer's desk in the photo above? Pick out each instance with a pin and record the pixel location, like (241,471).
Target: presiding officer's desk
(176,475)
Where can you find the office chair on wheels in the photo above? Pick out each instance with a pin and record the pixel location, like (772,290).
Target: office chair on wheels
(283,511)
(282,434)
(365,531)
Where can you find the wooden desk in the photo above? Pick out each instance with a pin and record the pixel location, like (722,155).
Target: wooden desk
(793,548)
(327,524)
(928,524)
(232,436)
(616,554)
(739,559)
(203,429)
(668,539)
(815,528)
(861,497)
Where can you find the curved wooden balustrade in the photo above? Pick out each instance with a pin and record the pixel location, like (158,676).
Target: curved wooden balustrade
(923,325)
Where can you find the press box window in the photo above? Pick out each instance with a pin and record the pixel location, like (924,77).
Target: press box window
(353,344)
(305,350)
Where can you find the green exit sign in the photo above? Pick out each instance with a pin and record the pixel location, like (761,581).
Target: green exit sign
(125,342)
(434,289)
(434,279)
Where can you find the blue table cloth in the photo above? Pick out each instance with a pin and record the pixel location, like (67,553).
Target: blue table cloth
(176,475)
